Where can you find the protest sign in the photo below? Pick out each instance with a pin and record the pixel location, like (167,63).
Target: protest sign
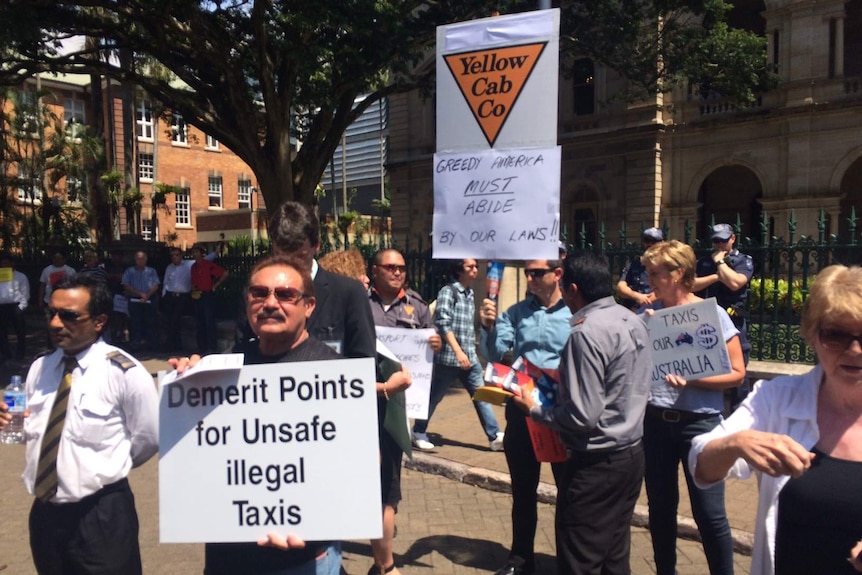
(284,447)
(497,82)
(497,204)
(411,348)
(687,340)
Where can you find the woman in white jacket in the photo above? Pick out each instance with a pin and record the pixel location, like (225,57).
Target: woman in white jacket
(802,435)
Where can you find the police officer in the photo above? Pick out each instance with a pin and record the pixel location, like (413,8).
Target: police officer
(633,288)
(725,274)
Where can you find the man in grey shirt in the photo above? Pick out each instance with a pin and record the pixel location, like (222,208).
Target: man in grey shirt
(604,384)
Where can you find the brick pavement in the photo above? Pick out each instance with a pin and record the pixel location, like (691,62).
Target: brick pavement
(445,526)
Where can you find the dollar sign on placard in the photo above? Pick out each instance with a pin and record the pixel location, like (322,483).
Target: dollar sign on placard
(707,336)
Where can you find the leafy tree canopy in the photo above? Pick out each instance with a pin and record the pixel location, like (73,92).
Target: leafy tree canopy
(258,74)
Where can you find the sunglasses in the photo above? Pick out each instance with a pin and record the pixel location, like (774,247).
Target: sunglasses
(66,315)
(720,241)
(392,268)
(282,294)
(837,340)
(537,273)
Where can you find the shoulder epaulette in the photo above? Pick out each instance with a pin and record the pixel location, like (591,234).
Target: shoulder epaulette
(121,359)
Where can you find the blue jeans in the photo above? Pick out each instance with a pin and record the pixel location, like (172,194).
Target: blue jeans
(327,564)
(665,445)
(442,378)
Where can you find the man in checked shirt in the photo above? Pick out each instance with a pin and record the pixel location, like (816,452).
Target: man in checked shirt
(83,519)
(454,318)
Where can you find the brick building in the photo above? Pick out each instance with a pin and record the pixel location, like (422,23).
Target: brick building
(216,193)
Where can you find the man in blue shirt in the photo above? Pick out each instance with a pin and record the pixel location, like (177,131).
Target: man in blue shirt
(141,284)
(536,329)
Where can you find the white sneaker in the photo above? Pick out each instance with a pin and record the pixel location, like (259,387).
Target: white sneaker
(497,443)
(420,442)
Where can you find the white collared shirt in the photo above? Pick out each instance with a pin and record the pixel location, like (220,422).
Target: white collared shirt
(16,290)
(178,278)
(111,421)
(785,405)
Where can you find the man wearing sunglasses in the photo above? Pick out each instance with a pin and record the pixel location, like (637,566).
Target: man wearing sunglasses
(342,318)
(537,329)
(93,415)
(725,274)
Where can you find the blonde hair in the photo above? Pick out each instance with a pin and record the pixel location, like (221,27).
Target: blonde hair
(835,293)
(673,255)
(348,263)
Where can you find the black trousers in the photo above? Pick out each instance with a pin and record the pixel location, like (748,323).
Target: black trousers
(174,304)
(595,503)
(525,472)
(95,536)
(12,316)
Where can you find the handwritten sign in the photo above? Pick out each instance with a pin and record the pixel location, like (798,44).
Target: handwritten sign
(285,447)
(411,348)
(497,204)
(493,74)
(687,340)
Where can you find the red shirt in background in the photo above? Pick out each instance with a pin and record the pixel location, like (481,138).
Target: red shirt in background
(204,274)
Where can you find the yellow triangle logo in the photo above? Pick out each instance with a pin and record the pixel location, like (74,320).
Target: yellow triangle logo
(491,81)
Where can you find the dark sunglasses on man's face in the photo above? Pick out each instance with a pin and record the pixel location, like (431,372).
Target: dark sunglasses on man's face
(838,340)
(537,273)
(66,315)
(392,268)
(282,294)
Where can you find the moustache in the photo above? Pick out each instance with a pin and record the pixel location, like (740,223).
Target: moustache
(270,315)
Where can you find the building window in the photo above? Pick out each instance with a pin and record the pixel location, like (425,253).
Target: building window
(584,85)
(27,114)
(29,186)
(144,119)
(147,230)
(183,207)
(146,167)
(74,117)
(179,130)
(244,193)
(211,143)
(214,188)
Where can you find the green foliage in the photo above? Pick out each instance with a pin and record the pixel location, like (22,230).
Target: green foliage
(660,44)
(240,245)
(258,75)
(786,303)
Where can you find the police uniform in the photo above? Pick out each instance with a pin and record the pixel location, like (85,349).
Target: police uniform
(111,425)
(635,276)
(733,302)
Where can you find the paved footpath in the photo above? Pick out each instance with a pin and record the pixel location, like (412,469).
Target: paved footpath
(446,526)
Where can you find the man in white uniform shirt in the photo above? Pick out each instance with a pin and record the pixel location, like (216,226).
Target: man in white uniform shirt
(14,298)
(176,290)
(93,415)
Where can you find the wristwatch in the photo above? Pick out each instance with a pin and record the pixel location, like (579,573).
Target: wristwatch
(719,262)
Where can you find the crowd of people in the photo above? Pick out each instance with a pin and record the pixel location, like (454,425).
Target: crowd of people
(93,409)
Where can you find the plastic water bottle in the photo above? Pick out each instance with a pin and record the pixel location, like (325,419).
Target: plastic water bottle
(15,397)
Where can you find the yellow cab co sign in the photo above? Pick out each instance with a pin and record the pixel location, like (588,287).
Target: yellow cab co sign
(497,82)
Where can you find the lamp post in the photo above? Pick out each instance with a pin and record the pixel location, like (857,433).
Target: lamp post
(253,222)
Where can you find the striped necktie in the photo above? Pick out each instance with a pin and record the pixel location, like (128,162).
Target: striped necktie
(46,473)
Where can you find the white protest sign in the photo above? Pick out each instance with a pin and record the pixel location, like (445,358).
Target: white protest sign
(411,348)
(497,82)
(284,447)
(687,340)
(497,204)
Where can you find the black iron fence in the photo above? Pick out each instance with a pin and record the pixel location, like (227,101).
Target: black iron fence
(784,267)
